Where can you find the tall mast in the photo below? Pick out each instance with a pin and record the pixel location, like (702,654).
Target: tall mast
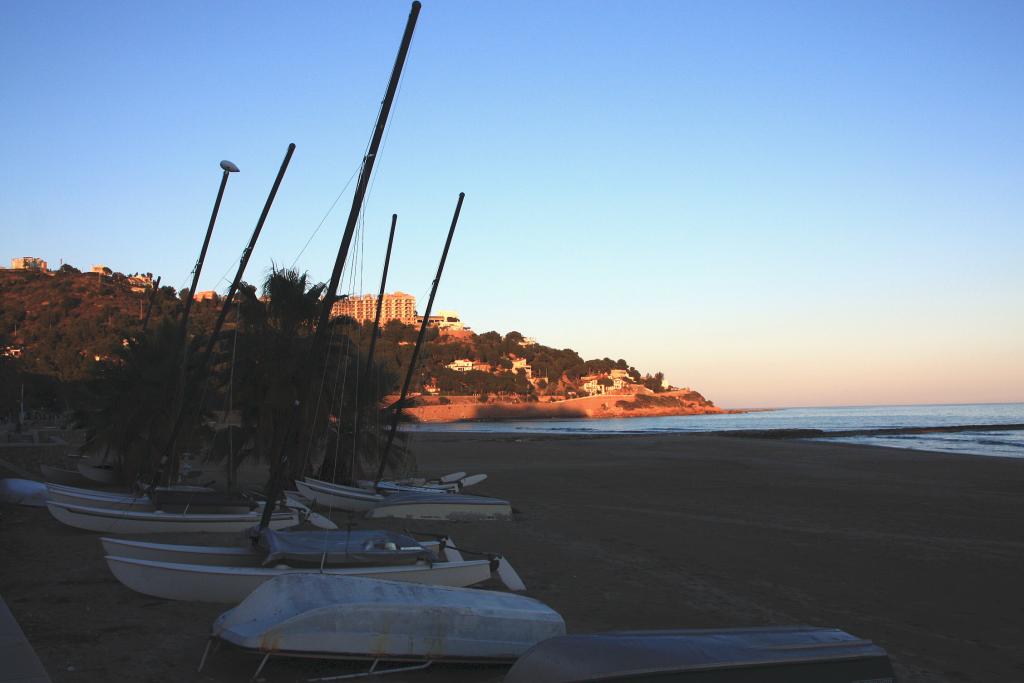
(179,393)
(228,169)
(179,413)
(365,171)
(361,386)
(320,335)
(419,341)
(246,253)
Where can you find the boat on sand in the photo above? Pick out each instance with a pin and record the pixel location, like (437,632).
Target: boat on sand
(113,521)
(333,617)
(408,502)
(231,583)
(787,654)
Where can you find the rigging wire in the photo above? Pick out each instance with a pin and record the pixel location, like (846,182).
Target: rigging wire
(326,215)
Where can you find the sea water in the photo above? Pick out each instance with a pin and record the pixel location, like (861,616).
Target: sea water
(834,419)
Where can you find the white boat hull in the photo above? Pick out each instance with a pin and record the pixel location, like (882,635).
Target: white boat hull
(100,499)
(315,615)
(219,556)
(204,583)
(140,522)
(452,507)
(338,497)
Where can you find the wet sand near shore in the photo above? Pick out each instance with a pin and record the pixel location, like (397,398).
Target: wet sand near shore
(921,552)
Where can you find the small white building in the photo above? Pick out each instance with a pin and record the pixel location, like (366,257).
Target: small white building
(522,364)
(461,365)
(140,283)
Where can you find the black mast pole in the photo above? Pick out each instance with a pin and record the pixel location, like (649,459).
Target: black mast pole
(204,359)
(228,168)
(320,336)
(149,308)
(419,342)
(246,253)
(363,379)
(366,170)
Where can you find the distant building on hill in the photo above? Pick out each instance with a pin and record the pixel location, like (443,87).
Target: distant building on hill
(444,320)
(206,295)
(522,364)
(591,385)
(398,306)
(461,365)
(29,263)
(101,269)
(140,283)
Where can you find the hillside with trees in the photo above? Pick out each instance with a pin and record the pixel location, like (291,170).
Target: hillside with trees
(58,329)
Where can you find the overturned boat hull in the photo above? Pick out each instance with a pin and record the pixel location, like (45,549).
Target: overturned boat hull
(23,492)
(319,615)
(789,654)
(112,521)
(205,583)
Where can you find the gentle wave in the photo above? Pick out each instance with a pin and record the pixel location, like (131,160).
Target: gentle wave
(841,419)
(1008,444)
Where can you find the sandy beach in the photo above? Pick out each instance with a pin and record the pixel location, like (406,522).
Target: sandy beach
(922,553)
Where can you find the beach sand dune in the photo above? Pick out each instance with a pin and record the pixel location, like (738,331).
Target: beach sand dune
(920,552)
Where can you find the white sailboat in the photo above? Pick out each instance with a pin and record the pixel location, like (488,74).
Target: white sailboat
(454,507)
(226,584)
(102,499)
(228,574)
(338,496)
(114,521)
(220,556)
(405,501)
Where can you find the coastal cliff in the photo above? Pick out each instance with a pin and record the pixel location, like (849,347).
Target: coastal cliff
(470,408)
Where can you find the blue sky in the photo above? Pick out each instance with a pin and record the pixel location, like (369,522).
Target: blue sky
(775,203)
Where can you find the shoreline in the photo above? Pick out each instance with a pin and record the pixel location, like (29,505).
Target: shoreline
(454,409)
(779,433)
(874,431)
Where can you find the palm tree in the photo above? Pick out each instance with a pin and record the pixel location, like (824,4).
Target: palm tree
(315,422)
(264,366)
(127,410)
